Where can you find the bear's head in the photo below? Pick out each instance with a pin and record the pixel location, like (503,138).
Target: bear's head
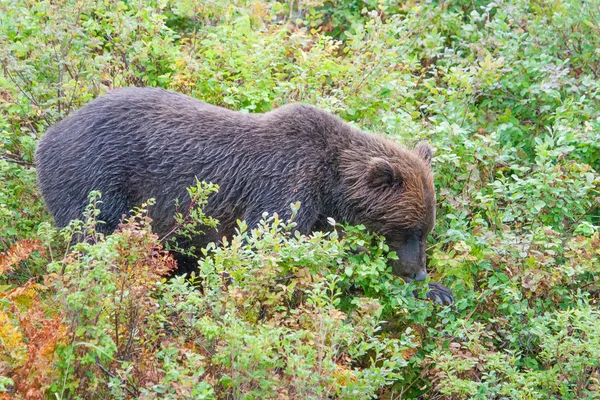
(392,194)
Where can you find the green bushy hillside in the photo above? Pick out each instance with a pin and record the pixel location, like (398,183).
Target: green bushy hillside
(507,93)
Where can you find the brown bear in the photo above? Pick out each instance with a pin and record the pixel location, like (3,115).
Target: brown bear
(133,144)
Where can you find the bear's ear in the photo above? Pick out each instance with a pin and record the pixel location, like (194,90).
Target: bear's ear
(380,173)
(424,151)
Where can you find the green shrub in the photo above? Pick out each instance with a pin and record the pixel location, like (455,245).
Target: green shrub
(262,319)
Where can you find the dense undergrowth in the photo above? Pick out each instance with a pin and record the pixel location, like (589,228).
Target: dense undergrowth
(508,94)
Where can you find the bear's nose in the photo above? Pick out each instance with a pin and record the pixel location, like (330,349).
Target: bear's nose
(421,276)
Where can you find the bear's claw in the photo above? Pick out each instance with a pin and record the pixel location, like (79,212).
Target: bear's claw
(440,294)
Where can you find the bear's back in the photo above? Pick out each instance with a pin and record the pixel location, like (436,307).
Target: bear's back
(136,143)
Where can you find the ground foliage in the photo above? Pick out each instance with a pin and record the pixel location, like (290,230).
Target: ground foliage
(507,92)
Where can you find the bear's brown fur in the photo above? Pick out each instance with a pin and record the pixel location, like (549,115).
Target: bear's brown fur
(133,144)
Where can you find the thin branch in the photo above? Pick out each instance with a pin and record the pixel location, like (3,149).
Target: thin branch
(15,160)
(131,392)
(29,96)
(14,80)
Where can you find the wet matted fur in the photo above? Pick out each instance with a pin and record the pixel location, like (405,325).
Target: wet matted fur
(133,144)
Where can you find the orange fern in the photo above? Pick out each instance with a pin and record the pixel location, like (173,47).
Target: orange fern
(18,252)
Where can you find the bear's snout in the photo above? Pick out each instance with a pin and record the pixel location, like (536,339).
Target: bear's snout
(421,276)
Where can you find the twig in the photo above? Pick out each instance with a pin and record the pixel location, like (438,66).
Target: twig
(475,309)
(405,389)
(15,160)
(131,392)
(29,96)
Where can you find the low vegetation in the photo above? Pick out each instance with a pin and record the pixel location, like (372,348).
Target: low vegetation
(508,94)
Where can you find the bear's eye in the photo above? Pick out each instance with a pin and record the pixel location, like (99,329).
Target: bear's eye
(396,182)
